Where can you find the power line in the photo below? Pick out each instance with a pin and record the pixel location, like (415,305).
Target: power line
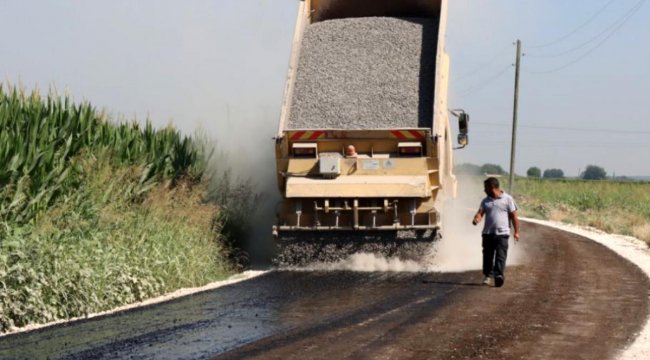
(610,131)
(480,86)
(603,145)
(617,24)
(483,65)
(624,21)
(594,16)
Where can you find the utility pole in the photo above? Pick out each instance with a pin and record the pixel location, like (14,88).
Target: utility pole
(513,146)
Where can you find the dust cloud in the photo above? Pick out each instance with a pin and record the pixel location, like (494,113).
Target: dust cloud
(245,157)
(460,246)
(368,262)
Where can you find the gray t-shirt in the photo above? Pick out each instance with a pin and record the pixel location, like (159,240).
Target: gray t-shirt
(496,212)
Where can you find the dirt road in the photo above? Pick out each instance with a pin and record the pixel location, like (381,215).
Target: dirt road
(573,299)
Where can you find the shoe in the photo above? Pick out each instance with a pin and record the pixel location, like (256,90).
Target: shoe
(486,281)
(499,280)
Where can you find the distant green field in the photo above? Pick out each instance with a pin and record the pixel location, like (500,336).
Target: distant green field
(614,207)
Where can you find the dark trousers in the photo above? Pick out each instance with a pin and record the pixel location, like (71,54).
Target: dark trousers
(495,251)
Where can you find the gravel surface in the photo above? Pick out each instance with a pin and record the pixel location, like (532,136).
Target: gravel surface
(632,249)
(554,306)
(366,73)
(246,275)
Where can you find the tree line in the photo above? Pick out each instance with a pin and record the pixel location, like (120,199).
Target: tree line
(591,172)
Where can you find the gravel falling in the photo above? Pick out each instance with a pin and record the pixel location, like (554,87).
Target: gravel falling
(365,73)
(304,248)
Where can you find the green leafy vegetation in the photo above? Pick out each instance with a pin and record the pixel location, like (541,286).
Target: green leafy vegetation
(614,207)
(594,172)
(534,172)
(553,174)
(95,214)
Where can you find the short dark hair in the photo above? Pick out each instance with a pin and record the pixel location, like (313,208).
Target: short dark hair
(491,182)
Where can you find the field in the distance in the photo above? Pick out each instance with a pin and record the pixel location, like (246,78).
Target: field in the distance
(614,207)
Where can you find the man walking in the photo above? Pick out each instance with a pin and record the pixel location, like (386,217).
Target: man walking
(499,210)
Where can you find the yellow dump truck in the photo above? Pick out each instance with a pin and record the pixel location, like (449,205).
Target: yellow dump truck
(364,145)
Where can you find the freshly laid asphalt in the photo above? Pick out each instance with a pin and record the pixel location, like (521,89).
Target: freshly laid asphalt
(571,299)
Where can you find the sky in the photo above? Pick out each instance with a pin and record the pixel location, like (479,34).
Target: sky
(219,67)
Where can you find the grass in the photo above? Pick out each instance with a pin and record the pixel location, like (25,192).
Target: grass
(95,214)
(614,207)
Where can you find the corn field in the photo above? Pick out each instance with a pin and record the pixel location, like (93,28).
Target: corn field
(96,214)
(40,138)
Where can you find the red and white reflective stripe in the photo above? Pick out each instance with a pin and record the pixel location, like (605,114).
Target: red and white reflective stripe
(306,135)
(408,134)
(311,135)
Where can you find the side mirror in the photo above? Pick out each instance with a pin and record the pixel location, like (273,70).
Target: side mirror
(463,124)
(463,140)
(463,127)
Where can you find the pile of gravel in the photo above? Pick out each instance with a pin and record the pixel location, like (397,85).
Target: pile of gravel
(365,73)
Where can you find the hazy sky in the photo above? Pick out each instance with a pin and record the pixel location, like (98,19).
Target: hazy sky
(221,65)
